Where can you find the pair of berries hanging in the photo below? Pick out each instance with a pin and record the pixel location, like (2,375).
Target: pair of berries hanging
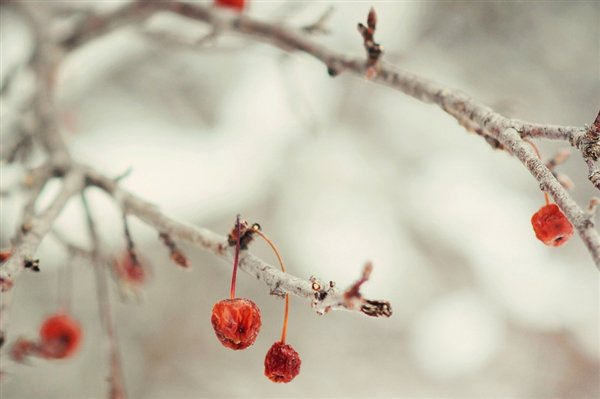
(237,321)
(59,338)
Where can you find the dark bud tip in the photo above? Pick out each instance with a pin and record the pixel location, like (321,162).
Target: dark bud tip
(372,19)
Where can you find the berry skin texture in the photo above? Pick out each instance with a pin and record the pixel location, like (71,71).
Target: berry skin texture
(60,337)
(237,5)
(282,363)
(551,226)
(236,322)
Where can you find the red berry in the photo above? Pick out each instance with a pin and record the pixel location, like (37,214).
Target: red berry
(236,322)
(282,363)
(237,5)
(551,226)
(60,336)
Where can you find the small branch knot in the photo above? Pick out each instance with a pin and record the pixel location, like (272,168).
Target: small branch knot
(32,264)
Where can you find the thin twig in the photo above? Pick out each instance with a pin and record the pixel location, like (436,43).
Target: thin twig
(117,385)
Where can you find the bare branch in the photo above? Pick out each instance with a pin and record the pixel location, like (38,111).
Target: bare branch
(31,232)
(117,385)
(278,282)
(28,238)
(45,60)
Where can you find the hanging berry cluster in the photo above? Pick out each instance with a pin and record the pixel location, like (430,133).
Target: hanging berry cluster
(237,321)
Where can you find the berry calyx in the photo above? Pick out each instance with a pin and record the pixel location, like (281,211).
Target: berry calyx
(237,5)
(236,322)
(551,226)
(282,363)
(60,337)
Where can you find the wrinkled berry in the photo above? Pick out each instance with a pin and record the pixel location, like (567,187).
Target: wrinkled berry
(60,336)
(236,322)
(237,5)
(282,363)
(551,226)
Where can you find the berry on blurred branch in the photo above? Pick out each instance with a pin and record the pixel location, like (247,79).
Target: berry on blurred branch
(60,337)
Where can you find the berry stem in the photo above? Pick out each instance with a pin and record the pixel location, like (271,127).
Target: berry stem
(280,259)
(236,259)
(537,152)
(65,287)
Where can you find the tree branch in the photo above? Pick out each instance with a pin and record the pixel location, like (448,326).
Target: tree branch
(278,282)
(30,234)
(467,111)
(117,384)
(471,114)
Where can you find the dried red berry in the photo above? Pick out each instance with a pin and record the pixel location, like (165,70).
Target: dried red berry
(551,226)
(60,336)
(236,322)
(237,5)
(282,363)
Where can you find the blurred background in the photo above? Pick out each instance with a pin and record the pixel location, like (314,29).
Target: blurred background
(337,172)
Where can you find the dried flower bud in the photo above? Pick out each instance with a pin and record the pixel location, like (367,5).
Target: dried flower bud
(282,363)
(236,322)
(551,226)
